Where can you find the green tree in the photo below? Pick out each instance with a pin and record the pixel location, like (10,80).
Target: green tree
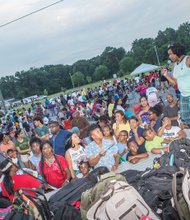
(78,78)
(101,72)
(127,64)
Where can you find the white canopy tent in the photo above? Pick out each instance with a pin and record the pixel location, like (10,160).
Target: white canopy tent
(143,68)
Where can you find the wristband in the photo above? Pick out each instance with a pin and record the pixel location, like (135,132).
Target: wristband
(67,181)
(162,152)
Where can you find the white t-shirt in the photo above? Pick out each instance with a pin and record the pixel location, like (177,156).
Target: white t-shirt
(172,133)
(119,107)
(137,79)
(77,156)
(150,91)
(152,96)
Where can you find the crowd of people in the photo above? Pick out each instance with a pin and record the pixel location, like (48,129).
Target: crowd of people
(52,143)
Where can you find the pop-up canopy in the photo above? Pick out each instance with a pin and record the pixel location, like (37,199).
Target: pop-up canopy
(143,68)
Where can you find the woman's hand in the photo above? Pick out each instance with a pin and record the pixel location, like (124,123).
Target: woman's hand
(164,71)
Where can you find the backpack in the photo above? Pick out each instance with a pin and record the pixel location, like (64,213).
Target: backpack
(179,154)
(181,193)
(4,212)
(74,189)
(66,211)
(118,201)
(155,186)
(27,206)
(89,196)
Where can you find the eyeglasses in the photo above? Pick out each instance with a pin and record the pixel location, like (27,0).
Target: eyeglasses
(53,126)
(83,167)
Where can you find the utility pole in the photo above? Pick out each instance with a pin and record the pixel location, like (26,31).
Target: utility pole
(155,48)
(2,101)
(72,80)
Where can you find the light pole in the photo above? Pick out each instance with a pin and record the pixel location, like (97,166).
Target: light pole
(155,48)
(2,101)
(71,80)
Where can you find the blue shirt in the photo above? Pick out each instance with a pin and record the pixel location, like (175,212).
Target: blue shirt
(121,148)
(108,160)
(59,141)
(132,136)
(157,125)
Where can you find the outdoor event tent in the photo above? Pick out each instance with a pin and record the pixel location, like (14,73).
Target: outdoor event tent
(143,68)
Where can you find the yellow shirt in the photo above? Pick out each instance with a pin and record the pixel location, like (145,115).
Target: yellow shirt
(110,109)
(122,127)
(155,143)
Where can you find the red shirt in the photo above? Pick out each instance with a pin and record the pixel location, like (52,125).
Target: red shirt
(21,181)
(150,76)
(53,174)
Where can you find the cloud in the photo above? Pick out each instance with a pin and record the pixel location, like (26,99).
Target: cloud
(79,29)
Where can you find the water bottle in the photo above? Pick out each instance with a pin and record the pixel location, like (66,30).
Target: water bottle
(171,160)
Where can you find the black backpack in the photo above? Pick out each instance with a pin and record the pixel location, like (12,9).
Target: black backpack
(66,211)
(179,154)
(155,187)
(73,190)
(29,207)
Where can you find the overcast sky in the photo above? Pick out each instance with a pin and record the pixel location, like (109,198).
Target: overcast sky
(79,29)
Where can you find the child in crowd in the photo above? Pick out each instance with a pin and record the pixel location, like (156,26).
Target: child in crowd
(154,143)
(84,168)
(135,153)
(109,134)
(23,147)
(122,145)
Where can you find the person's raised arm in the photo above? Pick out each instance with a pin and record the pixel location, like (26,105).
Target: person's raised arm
(68,159)
(169,78)
(95,159)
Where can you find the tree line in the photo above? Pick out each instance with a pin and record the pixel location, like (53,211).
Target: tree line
(55,78)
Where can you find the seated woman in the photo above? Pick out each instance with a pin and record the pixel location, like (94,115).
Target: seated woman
(15,157)
(154,143)
(6,143)
(74,155)
(22,146)
(103,121)
(143,113)
(118,105)
(121,123)
(53,168)
(109,134)
(169,132)
(12,182)
(135,153)
(122,145)
(154,115)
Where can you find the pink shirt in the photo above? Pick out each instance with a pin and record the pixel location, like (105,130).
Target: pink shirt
(53,174)
(5,147)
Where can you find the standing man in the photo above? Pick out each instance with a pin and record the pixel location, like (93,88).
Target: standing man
(181,77)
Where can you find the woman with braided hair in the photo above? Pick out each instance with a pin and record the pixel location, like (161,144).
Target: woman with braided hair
(12,182)
(53,168)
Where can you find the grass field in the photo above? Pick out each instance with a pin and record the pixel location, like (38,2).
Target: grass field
(69,91)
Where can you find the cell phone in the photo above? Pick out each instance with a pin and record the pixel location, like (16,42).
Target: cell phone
(108,147)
